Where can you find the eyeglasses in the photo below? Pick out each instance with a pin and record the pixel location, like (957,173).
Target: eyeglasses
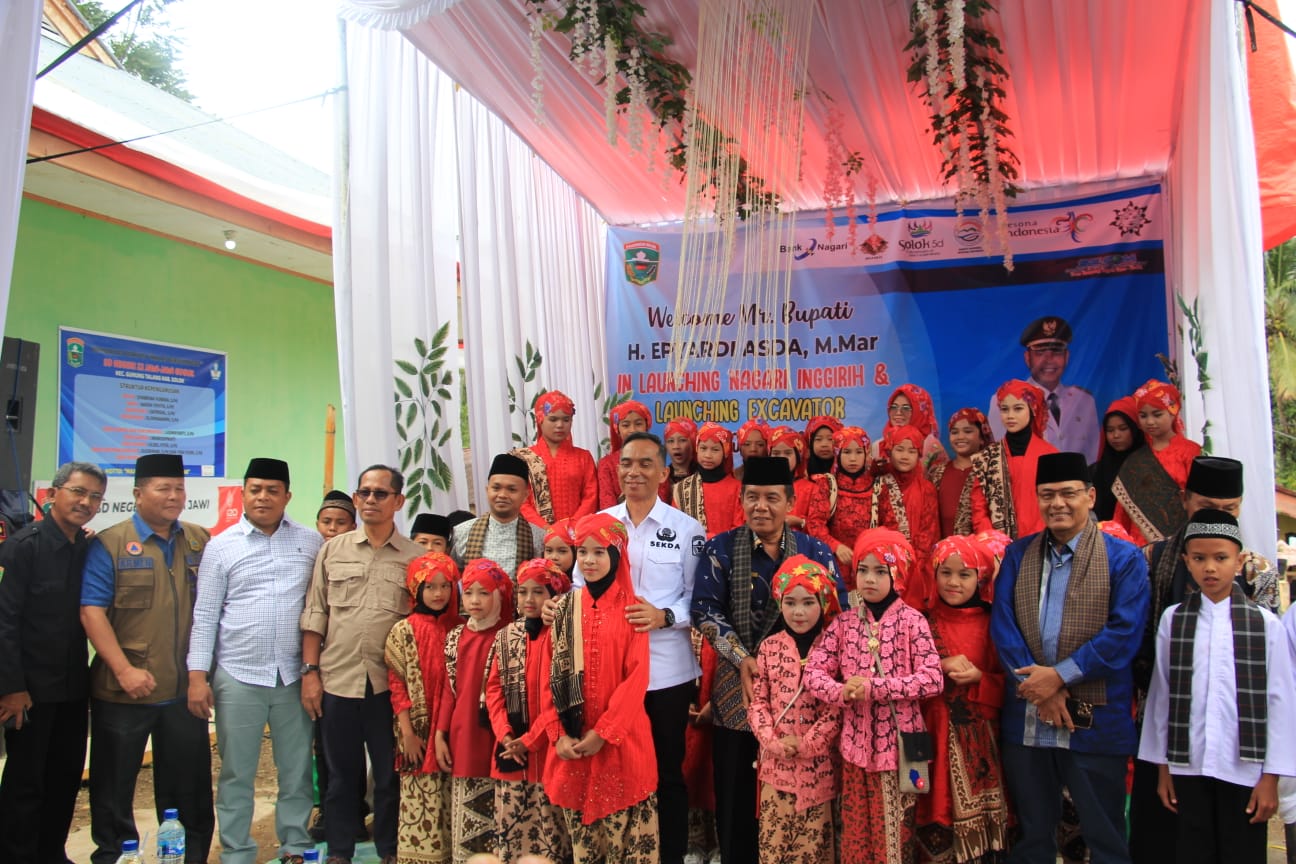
(82,492)
(896,407)
(379,495)
(1066,495)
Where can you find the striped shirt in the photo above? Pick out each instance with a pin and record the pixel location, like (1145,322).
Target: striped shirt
(251,591)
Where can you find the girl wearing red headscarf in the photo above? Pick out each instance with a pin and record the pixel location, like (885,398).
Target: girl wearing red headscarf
(786,442)
(560,545)
(416,672)
(969,432)
(753,440)
(877,662)
(819,441)
(603,772)
(904,500)
(1121,437)
(798,761)
(464,746)
(681,440)
(911,405)
(526,823)
(712,495)
(564,484)
(964,718)
(1149,485)
(1004,472)
(624,420)
(841,505)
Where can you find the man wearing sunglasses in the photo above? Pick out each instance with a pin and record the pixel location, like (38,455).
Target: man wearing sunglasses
(1073,418)
(356,594)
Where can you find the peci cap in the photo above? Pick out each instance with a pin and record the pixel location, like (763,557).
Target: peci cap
(1215,477)
(766,471)
(1060,468)
(158,465)
(507,463)
(338,500)
(267,469)
(1213,523)
(431,523)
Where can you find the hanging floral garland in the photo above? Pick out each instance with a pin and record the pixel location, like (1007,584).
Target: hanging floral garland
(955,61)
(609,43)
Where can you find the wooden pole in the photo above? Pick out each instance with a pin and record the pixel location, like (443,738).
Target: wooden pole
(330,434)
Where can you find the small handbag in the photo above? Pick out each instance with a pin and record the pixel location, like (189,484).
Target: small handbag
(914,750)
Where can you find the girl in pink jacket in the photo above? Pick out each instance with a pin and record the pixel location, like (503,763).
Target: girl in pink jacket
(797,733)
(878,662)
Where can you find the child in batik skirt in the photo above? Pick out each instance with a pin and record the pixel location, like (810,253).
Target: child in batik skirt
(526,823)
(842,502)
(415,654)
(879,632)
(965,817)
(904,500)
(712,495)
(603,771)
(464,742)
(1003,472)
(798,761)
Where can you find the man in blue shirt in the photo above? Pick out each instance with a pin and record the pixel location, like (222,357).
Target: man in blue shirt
(1070,606)
(137,596)
(733,607)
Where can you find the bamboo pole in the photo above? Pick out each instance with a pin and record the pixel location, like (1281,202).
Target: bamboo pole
(330,435)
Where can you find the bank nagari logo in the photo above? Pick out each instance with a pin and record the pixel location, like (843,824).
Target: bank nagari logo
(75,352)
(1073,224)
(642,258)
(968,232)
(919,228)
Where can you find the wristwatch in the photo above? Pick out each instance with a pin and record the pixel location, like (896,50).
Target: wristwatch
(308,668)
(670,618)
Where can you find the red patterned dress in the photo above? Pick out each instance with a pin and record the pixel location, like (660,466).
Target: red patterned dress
(918,518)
(840,525)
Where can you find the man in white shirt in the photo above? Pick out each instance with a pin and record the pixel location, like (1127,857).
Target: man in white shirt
(1073,417)
(665,547)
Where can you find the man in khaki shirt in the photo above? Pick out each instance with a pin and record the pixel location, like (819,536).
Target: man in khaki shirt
(357,593)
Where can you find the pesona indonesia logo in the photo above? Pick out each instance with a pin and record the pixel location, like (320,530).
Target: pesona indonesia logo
(1070,224)
(919,228)
(1073,223)
(803,250)
(969,233)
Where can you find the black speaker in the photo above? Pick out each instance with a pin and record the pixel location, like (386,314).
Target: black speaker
(19,362)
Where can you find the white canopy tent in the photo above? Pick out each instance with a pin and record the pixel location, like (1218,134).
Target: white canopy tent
(1098,90)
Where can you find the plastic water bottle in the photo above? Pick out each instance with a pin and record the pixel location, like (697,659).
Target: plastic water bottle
(171,839)
(130,853)
(310,856)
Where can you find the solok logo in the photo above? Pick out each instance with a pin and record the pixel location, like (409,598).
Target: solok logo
(919,228)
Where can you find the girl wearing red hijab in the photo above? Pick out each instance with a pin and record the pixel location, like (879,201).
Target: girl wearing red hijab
(625,419)
(753,440)
(911,405)
(712,495)
(416,673)
(904,500)
(788,443)
(1121,437)
(681,440)
(563,480)
(1004,472)
(603,772)
(1149,485)
(964,718)
(969,432)
(841,506)
(464,746)
(819,441)
(526,823)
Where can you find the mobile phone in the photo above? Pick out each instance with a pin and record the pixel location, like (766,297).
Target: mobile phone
(12,722)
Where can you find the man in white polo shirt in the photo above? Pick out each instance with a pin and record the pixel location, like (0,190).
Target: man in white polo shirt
(665,545)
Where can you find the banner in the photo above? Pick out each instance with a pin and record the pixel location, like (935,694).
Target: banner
(120,397)
(923,298)
(212,502)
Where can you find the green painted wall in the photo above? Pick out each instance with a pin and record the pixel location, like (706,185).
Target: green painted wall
(278,330)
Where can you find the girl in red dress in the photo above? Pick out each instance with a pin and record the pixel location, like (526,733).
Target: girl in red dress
(560,545)
(966,815)
(464,746)
(680,440)
(1148,490)
(753,440)
(712,495)
(603,773)
(563,480)
(787,442)
(904,500)
(625,419)
(819,439)
(1004,471)
(841,505)
(969,432)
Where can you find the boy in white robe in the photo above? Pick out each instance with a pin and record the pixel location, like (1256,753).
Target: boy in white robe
(1214,721)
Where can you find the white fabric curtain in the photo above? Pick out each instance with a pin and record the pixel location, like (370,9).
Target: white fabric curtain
(20,22)
(1217,261)
(391,14)
(395,269)
(532,277)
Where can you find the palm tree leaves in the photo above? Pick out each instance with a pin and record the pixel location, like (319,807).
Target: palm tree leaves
(422,386)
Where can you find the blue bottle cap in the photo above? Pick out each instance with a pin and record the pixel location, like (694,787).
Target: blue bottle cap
(310,855)
(130,845)
(170,813)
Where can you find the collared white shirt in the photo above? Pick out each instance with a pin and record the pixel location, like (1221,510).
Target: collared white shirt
(499,545)
(1080,428)
(251,592)
(664,551)
(1213,718)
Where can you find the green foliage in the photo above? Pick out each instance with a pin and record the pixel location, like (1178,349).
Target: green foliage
(606,405)
(422,389)
(142,44)
(1280,336)
(1201,357)
(518,401)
